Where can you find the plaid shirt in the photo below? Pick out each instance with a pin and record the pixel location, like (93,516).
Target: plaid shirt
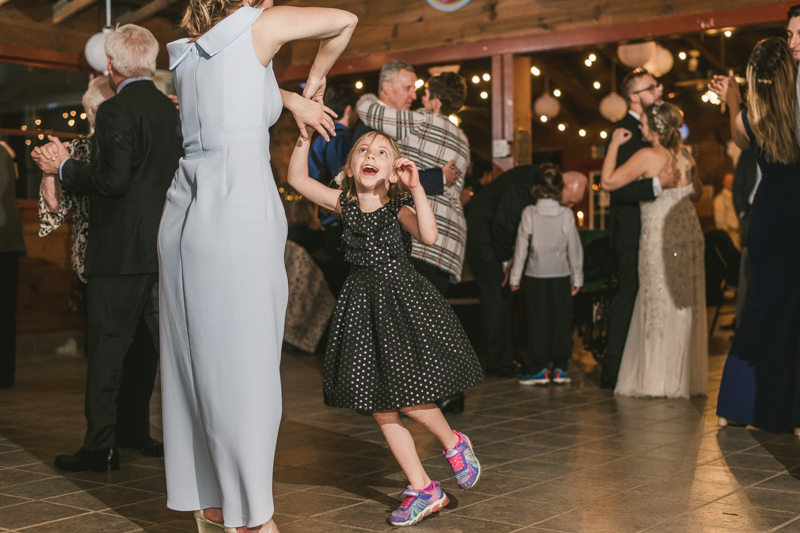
(429,140)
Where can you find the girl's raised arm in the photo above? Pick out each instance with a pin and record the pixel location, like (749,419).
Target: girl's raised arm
(298,178)
(419,222)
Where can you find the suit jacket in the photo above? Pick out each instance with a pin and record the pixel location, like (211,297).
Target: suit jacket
(136,148)
(499,203)
(11,238)
(744,180)
(626,222)
(431,179)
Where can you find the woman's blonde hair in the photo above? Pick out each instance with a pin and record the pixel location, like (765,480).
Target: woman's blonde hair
(666,119)
(771,97)
(202,15)
(347,183)
(98,92)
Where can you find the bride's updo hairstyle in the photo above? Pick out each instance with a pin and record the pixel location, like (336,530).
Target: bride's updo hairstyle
(771,97)
(666,119)
(201,15)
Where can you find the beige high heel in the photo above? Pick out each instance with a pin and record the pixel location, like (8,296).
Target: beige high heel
(271,526)
(204,525)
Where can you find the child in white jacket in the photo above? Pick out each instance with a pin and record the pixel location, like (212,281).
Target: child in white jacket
(547,237)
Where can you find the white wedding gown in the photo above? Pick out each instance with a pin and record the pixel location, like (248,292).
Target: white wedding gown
(666,352)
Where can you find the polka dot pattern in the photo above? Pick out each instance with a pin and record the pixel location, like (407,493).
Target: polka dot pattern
(394,340)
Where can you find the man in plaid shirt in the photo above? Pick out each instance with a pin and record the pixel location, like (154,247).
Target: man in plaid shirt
(429,139)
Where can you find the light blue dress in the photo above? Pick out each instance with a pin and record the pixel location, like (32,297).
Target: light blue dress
(223,282)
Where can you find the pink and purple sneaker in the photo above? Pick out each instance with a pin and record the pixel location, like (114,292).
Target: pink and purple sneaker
(419,504)
(462,460)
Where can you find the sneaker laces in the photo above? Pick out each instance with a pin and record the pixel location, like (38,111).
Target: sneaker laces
(410,495)
(456,459)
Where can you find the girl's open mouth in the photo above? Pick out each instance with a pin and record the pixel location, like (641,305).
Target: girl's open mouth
(370,170)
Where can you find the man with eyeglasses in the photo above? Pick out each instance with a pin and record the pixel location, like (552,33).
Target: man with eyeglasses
(641,90)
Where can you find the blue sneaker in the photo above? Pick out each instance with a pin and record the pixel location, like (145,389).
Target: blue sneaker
(542,378)
(462,460)
(419,504)
(560,377)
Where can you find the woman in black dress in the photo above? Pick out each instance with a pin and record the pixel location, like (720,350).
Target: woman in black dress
(760,382)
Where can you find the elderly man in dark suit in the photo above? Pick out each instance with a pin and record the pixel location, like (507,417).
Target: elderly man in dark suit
(641,90)
(136,149)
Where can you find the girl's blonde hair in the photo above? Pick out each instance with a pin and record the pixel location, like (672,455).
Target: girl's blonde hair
(771,97)
(202,15)
(347,183)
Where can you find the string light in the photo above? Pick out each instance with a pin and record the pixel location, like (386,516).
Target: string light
(582,133)
(37,122)
(486,77)
(603,134)
(23,128)
(535,71)
(596,85)
(588,63)
(359,85)
(71,122)
(562,127)
(728,33)
(73,113)
(557,93)
(41,137)
(543,118)
(281,190)
(476,79)
(682,56)
(419,83)
(83,116)
(454,119)
(65,115)
(28,142)
(484,95)
(592,58)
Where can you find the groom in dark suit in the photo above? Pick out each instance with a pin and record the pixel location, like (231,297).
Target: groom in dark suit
(641,90)
(136,149)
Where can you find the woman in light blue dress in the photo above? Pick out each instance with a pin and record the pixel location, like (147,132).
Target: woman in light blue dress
(221,245)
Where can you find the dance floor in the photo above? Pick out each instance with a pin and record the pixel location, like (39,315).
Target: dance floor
(568,459)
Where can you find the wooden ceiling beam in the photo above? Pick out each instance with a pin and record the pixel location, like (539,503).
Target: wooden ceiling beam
(704,51)
(146,11)
(570,85)
(63,10)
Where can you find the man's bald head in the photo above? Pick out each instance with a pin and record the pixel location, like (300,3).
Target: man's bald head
(574,188)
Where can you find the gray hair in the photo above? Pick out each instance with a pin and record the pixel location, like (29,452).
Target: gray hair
(390,70)
(132,51)
(98,92)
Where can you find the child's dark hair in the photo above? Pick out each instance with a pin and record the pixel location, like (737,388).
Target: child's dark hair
(549,182)
(346,179)
(339,97)
(450,89)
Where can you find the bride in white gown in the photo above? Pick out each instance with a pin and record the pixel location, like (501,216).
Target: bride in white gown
(666,352)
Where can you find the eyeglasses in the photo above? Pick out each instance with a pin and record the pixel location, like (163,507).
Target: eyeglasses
(652,88)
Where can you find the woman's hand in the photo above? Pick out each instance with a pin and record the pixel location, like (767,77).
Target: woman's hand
(620,136)
(50,190)
(406,170)
(315,90)
(309,115)
(727,88)
(574,290)
(514,288)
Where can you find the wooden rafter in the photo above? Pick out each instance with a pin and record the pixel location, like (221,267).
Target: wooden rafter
(60,13)
(146,11)
(704,51)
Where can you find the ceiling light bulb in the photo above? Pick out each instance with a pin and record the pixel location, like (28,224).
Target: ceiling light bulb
(359,85)
(419,83)
(592,58)
(582,133)
(562,127)
(476,79)
(603,134)
(543,118)
(588,63)
(596,85)
(557,93)
(728,33)
(682,55)
(454,119)
(486,77)
(484,95)
(535,71)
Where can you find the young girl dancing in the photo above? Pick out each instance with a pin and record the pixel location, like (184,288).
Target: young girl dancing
(394,342)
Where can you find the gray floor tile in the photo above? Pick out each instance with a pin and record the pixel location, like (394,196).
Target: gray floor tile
(91,523)
(33,513)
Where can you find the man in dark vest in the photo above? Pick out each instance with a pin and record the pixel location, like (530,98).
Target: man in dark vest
(136,150)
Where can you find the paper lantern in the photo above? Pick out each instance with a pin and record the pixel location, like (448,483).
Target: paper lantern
(94,52)
(547,106)
(637,54)
(660,63)
(613,107)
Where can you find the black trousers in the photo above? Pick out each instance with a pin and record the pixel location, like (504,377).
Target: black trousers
(123,341)
(9,284)
(440,278)
(621,309)
(497,315)
(549,322)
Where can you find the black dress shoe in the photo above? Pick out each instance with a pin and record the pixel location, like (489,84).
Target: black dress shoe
(607,383)
(150,447)
(452,404)
(102,460)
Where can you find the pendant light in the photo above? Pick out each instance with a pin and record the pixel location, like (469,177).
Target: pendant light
(94,51)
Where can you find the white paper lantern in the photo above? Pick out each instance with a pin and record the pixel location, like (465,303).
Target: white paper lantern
(613,107)
(637,54)
(547,106)
(660,63)
(94,52)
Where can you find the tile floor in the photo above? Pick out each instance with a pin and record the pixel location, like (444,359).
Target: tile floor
(568,459)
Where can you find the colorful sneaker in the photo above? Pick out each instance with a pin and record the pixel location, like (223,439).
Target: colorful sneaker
(542,378)
(560,377)
(462,460)
(419,504)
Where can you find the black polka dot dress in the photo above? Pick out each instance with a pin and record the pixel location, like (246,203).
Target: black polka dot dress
(394,340)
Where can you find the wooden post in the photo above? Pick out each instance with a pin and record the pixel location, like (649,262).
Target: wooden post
(502,109)
(523,142)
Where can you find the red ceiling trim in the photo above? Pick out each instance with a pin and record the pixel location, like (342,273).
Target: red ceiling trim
(692,23)
(39,57)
